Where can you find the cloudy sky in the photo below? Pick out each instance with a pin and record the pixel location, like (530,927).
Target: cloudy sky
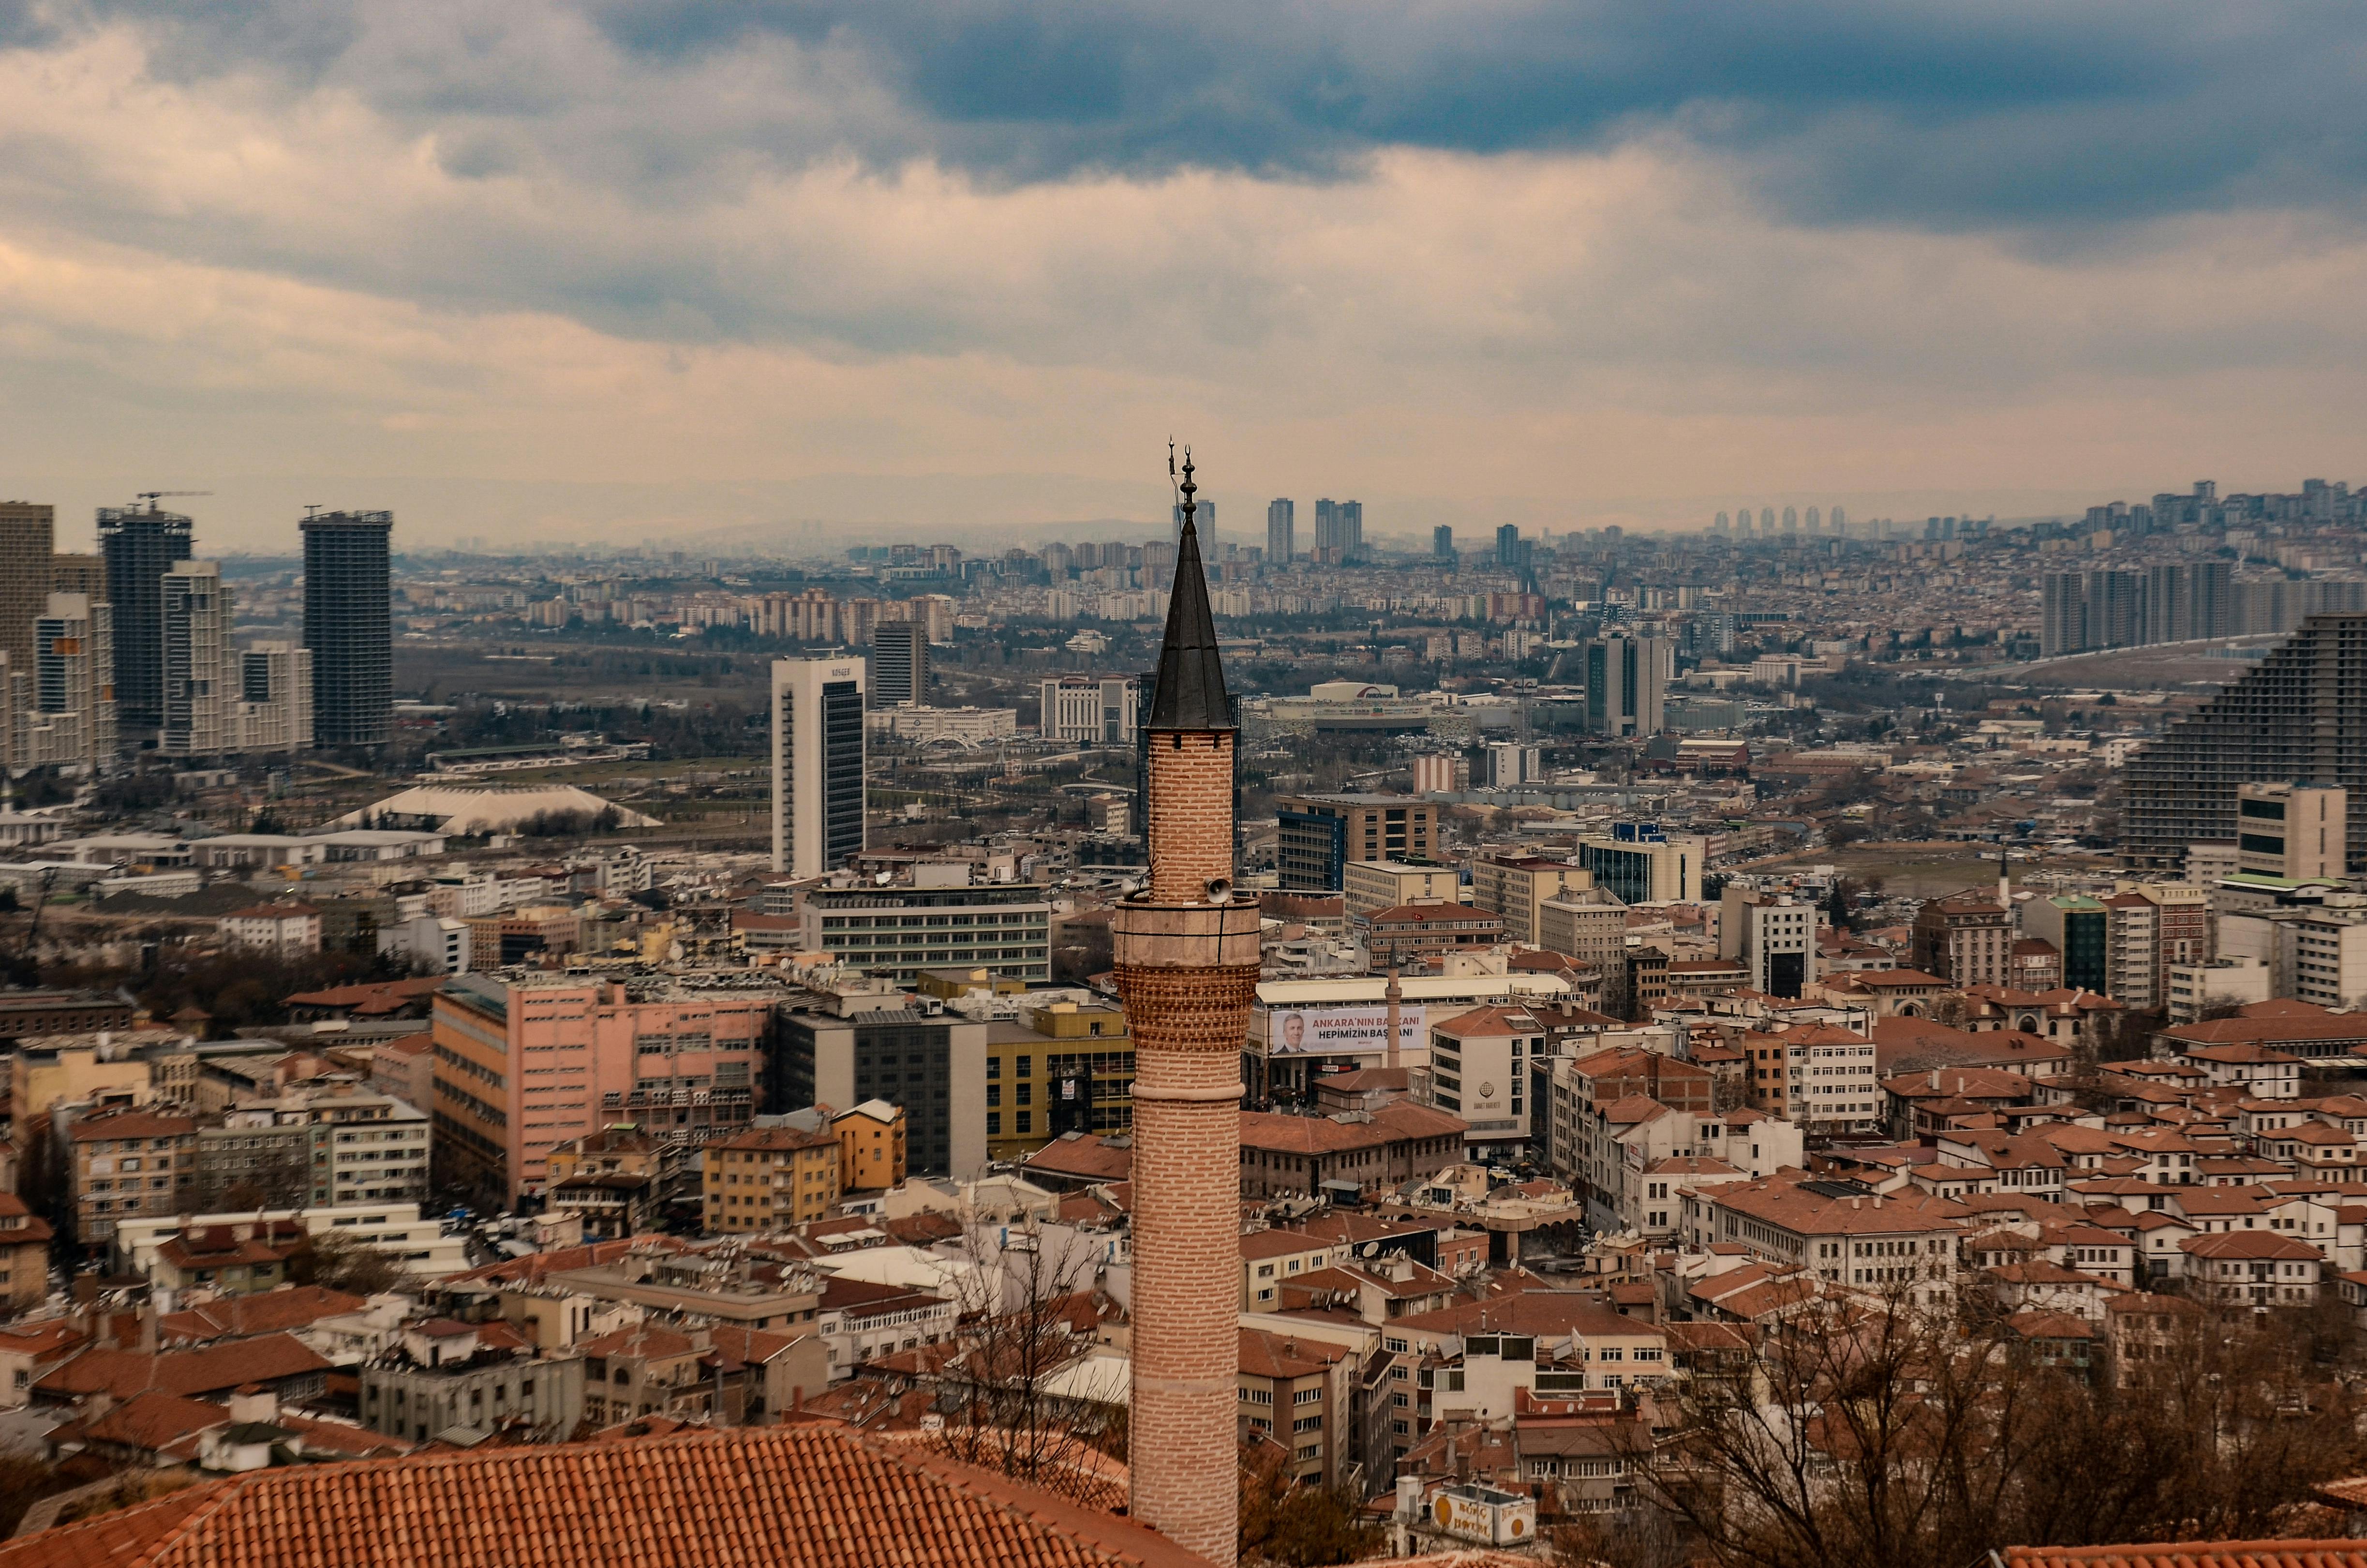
(530,269)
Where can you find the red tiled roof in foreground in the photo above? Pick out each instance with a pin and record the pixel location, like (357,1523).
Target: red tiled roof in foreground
(810,1495)
(2195,1554)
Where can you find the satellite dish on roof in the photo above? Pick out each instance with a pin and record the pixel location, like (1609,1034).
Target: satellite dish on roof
(1368,1249)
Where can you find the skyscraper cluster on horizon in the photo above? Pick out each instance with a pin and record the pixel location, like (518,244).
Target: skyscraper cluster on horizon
(1339,531)
(135,645)
(1766,524)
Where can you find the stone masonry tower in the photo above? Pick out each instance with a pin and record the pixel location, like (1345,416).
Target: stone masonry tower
(1186,952)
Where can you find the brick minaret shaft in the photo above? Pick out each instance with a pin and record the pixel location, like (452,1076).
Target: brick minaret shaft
(1186,963)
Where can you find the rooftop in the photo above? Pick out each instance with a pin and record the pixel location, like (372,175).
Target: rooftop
(820,1497)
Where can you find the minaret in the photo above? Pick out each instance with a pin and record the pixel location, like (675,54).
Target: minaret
(1186,968)
(1396,995)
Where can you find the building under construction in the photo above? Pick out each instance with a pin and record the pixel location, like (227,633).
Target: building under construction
(2299,716)
(140,544)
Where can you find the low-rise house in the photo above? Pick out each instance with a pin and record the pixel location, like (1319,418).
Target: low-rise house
(2258,1070)
(1304,1157)
(2253,1268)
(443,1377)
(861,1320)
(23,1255)
(279,1362)
(287,929)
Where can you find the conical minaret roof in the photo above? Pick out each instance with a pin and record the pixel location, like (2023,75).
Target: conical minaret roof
(1190,693)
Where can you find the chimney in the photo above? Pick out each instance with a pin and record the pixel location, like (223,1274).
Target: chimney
(1185,962)
(1396,995)
(253,1401)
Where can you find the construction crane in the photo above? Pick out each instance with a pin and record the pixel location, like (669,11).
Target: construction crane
(152,497)
(27,961)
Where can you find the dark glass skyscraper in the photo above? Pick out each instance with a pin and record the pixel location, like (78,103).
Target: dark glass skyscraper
(141,544)
(349,627)
(899,665)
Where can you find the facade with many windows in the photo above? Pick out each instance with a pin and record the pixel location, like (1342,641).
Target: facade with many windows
(1317,835)
(901,930)
(1058,1068)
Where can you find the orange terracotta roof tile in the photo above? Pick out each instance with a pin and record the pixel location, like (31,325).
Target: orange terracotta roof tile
(2195,1554)
(820,1497)
(216,1369)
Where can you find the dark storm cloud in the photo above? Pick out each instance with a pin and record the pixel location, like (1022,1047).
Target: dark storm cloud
(1943,115)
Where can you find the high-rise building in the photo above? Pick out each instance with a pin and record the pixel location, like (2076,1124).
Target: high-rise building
(1281,521)
(349,626)
(1185,952)
(1816,524)
(899,665)
(2212,587)
(67,709)
(275,696)
(1206,517)
(1775,938)
(1330,540)
(78,574)
(818,785)
(200,712)
(141,544)
(2063,620)
(1627,677)
(1317,835)
(2116,610)
(1839,519)
(1767,519)
(1442,543)
(28,530)
(1508,545)
(1352,531)
(1791,520)
(2296,716)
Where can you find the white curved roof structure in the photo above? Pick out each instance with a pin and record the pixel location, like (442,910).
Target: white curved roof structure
(487,808)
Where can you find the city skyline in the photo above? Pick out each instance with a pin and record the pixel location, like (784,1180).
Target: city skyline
(1828,276)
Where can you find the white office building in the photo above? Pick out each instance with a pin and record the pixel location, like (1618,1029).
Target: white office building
(818,784)
(1091,710)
